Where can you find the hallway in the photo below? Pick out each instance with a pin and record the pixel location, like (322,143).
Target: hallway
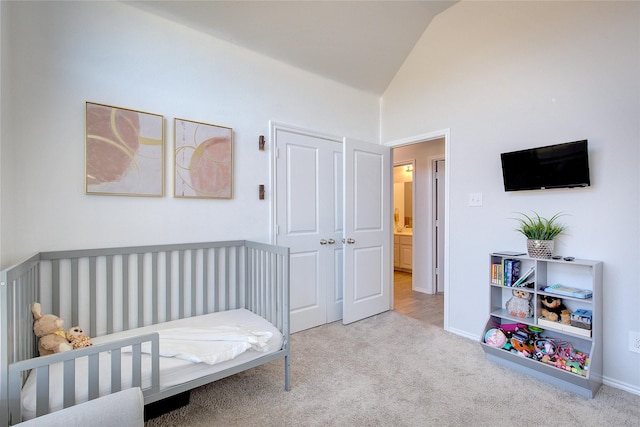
(425,307)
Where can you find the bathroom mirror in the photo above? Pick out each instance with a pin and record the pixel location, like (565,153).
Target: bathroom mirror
(408,204)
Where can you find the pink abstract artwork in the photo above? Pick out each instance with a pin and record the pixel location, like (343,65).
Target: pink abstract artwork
(124,151)
(203,160)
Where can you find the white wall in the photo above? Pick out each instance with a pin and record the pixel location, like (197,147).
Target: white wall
(62,54)
(504,76)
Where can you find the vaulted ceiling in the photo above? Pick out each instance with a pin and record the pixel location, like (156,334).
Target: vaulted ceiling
(359,43)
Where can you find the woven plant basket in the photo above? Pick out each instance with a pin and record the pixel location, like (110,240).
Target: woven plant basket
(540,248)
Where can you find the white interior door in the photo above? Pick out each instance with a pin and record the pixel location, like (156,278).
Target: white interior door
(316,185)
(336,230)
(309,222)
(367,230)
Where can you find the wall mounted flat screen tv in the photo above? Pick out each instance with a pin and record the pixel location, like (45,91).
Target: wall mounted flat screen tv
(553,166)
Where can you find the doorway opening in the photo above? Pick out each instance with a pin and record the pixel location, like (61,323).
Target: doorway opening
(419,239)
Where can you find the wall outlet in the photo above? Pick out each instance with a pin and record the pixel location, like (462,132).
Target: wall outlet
(634,341)
(475,199)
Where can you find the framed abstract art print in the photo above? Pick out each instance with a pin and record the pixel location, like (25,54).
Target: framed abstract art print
(124,152)
(202,160)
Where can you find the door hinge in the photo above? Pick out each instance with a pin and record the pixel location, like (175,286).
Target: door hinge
(277,153)
(277,229)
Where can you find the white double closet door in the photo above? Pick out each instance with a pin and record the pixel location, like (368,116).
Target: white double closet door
(332,209)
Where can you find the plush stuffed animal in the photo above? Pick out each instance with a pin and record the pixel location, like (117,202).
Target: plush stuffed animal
(77,338)
(519,304)
(48,329)
(554,310)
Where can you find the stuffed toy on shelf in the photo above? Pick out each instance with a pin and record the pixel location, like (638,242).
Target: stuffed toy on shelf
(553,309)
(519,305)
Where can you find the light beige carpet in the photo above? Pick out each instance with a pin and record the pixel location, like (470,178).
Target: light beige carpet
(391,370)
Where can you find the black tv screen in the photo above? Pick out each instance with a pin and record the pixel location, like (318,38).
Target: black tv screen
(553,166)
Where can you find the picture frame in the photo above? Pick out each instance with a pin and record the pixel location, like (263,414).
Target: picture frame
(203,160)
(124,151)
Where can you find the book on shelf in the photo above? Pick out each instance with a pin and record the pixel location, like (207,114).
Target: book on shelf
(494,273)
(511,271)
(497,269)
(505,272)
(567,291)
(524,277)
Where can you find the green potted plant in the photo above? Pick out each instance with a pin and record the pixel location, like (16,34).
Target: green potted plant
(540,233)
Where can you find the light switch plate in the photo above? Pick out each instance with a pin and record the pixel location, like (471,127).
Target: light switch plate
(475,199)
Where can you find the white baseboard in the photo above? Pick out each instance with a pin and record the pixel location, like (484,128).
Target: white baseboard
(464,334)
(620,385)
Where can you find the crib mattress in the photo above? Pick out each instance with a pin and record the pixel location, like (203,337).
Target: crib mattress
(173,371)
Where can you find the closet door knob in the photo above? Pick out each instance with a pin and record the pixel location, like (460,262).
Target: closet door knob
(350,241)
(331,241)
(323,242)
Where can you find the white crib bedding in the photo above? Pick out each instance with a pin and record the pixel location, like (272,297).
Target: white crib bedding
(173,371)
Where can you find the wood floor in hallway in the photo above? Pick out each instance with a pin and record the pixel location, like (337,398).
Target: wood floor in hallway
(418,305)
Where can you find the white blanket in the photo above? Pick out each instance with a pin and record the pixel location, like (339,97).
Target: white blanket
(208,345)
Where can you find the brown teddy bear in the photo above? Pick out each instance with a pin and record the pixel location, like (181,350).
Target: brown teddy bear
(554,310)
(48,329)
(77,338)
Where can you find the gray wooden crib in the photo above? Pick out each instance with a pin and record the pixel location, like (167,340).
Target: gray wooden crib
(106,291)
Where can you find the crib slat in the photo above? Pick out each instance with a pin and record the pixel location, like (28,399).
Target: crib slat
(167,266)
(140,288)
(240,291)
(225,277)
(55,288)
(248,254)
(181,284)
(126,323)
(155,364)
(42,391)
(69,383)
(116,375)
(93,324)
(269,277)
(192,279)
(74,293)
(154,289)
(109,272)
(136,365)
(205,280)
(260,282)
(215,278)
(93,377)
